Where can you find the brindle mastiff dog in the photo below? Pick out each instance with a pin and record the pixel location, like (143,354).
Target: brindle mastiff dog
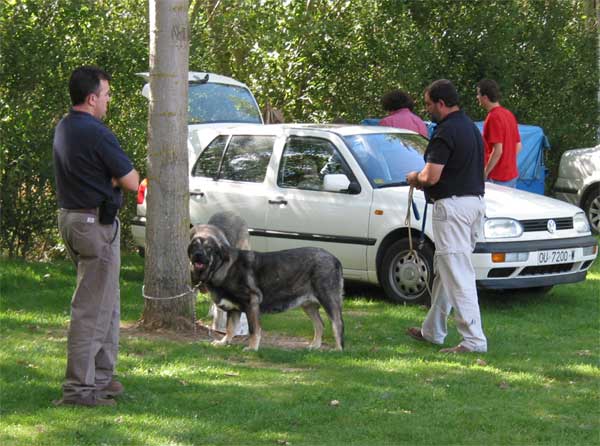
(254,282)
(230,229)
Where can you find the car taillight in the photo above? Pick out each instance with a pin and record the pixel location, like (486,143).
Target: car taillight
(142,191)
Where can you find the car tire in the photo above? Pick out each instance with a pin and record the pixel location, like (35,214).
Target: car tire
(591,206)
(403,276)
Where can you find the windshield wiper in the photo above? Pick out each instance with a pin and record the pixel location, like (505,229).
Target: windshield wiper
(393,184)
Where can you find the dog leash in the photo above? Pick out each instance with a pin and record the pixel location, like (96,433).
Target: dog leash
(412,255)
(190,290)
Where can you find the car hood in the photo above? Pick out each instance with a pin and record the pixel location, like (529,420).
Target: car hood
(503,201)
(500,201)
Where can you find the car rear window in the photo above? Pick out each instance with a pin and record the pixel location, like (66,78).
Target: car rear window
(208,162)
(236,158)
(247,158)
(386,158)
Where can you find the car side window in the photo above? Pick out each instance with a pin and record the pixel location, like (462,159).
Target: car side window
(306,160)
(209,160)
(246,158)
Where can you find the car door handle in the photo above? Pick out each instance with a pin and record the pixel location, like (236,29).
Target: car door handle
(197,193)
(280,201)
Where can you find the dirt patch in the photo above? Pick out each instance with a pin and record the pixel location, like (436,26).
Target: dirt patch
(203,333)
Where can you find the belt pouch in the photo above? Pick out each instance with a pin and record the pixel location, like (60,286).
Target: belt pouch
(108,212)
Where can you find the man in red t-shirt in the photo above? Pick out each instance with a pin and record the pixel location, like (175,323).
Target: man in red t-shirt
(500,135)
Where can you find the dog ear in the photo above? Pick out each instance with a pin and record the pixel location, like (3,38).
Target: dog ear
(225,253)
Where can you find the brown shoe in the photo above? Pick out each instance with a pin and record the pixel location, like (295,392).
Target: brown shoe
(457,349)
(415,333)
(114,388)
(88,401)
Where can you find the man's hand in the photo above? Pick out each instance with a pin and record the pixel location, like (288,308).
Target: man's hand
(429,176)
(413,179)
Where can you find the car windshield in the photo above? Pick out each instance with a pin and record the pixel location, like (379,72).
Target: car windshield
(210,102)
(386,158)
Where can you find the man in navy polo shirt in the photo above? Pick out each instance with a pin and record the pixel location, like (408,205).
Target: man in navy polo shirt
(91,168)
(453,177)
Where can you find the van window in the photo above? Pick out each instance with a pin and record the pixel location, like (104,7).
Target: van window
(211,102)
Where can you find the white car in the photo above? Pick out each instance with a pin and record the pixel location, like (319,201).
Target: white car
(343,188)
(578,182)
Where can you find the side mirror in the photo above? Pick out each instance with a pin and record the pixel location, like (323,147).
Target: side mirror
(339,182)
(354,188)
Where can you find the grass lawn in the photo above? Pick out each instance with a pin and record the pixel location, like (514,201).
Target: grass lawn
(539,383)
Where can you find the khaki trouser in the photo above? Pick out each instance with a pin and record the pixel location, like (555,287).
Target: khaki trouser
(457,224)
(93,337)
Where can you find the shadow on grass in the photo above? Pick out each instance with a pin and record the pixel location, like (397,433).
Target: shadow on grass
(46,288)
(226,396)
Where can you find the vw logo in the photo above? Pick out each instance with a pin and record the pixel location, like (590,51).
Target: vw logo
(551,226)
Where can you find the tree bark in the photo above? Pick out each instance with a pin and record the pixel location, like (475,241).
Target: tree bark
(168,299)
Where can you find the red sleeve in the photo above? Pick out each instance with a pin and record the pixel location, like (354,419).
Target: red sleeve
(494,130)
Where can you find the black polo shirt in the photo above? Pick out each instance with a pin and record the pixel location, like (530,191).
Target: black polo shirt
(87,156)
(457,144)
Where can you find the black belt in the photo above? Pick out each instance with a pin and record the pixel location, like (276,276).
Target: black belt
(81,211)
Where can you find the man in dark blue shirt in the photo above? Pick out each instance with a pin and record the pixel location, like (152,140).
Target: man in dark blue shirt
(453,177)
(91,169)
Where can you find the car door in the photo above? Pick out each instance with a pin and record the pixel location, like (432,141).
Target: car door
(300,213)
(229,175)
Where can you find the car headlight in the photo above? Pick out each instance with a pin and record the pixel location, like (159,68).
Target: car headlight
(502,228)
(580,222)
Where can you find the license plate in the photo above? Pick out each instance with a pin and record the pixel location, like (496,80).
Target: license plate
(556,256)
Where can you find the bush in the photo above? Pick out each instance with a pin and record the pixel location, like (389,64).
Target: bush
(315,61)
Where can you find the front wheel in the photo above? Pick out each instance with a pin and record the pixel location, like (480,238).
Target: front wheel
(404,276)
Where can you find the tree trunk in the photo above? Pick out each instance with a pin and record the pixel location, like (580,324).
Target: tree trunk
(169,301)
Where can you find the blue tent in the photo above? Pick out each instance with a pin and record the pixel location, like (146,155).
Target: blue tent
(532,171)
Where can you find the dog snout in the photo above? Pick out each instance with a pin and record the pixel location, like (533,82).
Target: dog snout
(198,257)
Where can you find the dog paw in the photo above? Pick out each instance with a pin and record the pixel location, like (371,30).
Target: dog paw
(220,342)
(313,346)
(251,349)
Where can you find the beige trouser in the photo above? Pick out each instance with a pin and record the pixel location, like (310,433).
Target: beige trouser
(93,337)
(457,223)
